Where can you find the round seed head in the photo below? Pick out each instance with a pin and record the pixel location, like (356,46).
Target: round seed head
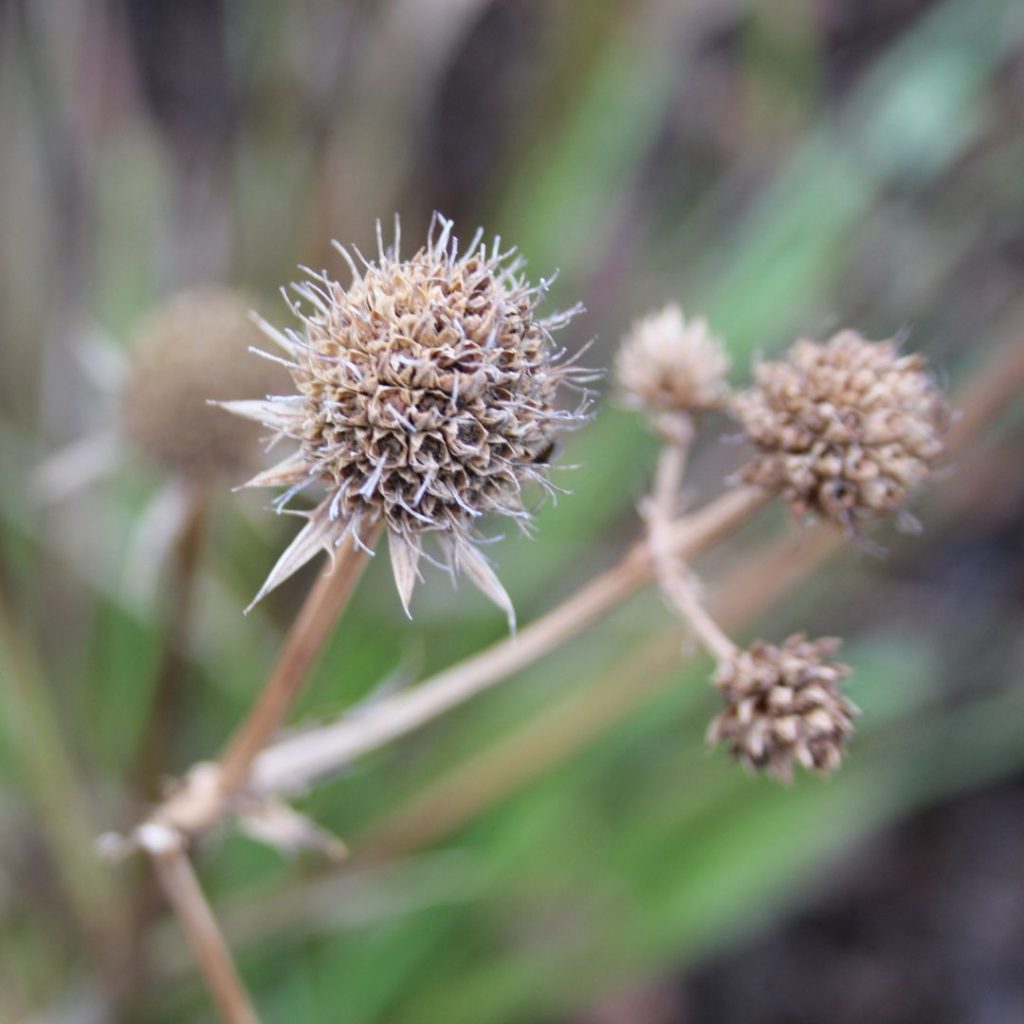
(425,398)
(669,365)
(784,706)
(186,352)
(846,428)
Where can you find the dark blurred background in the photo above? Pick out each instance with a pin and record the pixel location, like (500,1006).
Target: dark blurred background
(563,849)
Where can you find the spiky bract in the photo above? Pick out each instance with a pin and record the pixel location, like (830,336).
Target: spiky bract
(426,398)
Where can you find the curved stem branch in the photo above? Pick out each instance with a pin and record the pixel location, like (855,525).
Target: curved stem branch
(292,764)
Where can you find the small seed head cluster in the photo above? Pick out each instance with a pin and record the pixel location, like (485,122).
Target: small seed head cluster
(192,349)
(784,707)
(846,428)
(670,365)
(425,398)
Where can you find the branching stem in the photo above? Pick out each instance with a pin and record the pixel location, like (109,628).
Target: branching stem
(292,764)
(677,583)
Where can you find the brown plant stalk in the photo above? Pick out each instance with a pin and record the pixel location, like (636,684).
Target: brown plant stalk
(568,726)
(561,730)
(181,887)
(152,755)
(292,764)
(676,582)
(321,609)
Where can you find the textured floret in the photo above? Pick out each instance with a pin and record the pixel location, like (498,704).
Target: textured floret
(426,398)
(846,428)
(784,706)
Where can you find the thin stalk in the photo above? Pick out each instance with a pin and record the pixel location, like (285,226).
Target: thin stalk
(676,583)
(561,730)
(153,752)
(302,646)
(292,764)
(185,895)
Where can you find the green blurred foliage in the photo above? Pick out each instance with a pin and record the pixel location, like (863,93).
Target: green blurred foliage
(721,155)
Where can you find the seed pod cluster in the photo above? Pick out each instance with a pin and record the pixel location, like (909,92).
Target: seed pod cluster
(784,706)
(668,364)
(846,428)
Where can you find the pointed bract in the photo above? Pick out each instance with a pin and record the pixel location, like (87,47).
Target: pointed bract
(266,411)
(470,561)
(319,534)
(426,398)
(405,558)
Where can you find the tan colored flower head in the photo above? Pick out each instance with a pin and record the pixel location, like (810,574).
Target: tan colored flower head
(668,365)
(847,428)
(425,398)
(784,706)
(192,349)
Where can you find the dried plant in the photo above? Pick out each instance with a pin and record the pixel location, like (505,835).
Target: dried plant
(426,399)
(784,706)
(426,396)
(670,365)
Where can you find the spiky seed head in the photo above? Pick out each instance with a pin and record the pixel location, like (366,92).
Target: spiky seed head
(425,398)
(784,707)
(192,349)
(846,428)
(668,364)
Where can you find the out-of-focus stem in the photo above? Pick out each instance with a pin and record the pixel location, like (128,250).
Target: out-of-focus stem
(153,749)
(181,887)
(52,780)
(676,583)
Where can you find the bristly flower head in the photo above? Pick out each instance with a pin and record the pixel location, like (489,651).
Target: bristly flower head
(784,706)
(192,349)
(669,365)
(425,398)
(846,428)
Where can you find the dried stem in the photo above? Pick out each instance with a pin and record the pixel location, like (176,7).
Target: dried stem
(292,764)
(562,729)
(303,644)
(181,887)
(677,583)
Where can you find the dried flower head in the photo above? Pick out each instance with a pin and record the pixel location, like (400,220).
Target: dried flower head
(192,349)
(847,428)
(667,364)
(425,399)
(784,705)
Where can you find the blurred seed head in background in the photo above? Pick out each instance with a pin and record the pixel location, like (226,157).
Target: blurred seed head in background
(187,352)
(669,364)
